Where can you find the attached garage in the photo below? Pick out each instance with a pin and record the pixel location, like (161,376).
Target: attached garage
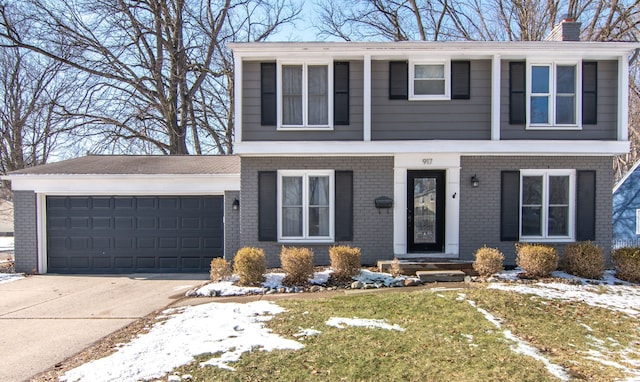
(131,234)
(126,214)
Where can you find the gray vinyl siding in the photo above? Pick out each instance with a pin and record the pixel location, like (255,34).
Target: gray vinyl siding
(372,229)
(25,232)
(480,207)
(422,120)
(252,130)
(606,129)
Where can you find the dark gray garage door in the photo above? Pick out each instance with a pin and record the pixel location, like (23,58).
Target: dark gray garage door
(126,234)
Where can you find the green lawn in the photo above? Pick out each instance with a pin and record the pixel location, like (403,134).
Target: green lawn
(446,339)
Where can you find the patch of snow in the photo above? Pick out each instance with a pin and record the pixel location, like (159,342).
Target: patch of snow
(379,278)
(586,327)
(226,288)
(522,347)
(6,243)
(342,322)
(621,298)
(10,277)
(307,333)
(630,362)
(227,328)
(321,278)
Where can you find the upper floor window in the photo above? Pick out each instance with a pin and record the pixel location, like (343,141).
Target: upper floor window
(305,92)
(546,204)
(553,95)
(429,80)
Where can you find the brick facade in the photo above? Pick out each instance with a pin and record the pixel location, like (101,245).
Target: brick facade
(25,232)
(480,207)
(372,229)
(231,224)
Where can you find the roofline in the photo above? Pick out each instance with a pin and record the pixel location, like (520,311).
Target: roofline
(489,48)
(626,176)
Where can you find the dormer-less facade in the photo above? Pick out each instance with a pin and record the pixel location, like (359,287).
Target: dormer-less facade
(473,142)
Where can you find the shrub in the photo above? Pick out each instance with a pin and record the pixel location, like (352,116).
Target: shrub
(220,269)
(488,261)
(395,269)
(345,261)
(536,260)
(249,265)
(583,259)
(627,262)
(297,263)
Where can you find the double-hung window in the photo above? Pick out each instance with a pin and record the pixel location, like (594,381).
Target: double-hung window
(429,80)
(554,95)
(306,205)
(547,204)
(305,100)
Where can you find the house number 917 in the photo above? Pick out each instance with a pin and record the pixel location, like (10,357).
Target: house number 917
(427,161)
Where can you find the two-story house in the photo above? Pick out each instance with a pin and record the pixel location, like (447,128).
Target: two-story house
(407,149)
(474,142)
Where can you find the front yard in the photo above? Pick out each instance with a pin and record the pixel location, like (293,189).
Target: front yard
(497,331)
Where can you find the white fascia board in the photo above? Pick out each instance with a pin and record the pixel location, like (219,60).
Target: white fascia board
(471,49)
(519,147)
(125,184)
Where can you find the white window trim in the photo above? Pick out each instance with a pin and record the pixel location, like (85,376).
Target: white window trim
(305,174)
(305,126)
(552,96)
(545,205)
(447,81)
(638,221)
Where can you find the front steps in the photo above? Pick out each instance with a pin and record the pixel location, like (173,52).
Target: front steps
(431,270)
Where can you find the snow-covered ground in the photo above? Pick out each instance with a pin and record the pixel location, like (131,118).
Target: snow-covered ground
(6,243)
(229,329)
(9,277)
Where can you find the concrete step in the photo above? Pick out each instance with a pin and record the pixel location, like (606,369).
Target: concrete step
(409,268)
(441,276)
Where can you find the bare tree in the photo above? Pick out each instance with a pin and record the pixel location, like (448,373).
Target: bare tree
(155,66)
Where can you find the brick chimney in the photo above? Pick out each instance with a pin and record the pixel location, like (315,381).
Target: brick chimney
(567,30)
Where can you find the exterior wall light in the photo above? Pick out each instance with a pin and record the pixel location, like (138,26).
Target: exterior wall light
(475,182)
(236,204)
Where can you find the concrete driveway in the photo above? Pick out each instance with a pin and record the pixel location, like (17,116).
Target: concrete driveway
(46,319)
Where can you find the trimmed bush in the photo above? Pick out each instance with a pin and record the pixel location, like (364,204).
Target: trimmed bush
(345,261)
(250,265)
(583,259)
(488,261)
(536,260)
(395,269)
(220,269)
(627,262)
(297,264)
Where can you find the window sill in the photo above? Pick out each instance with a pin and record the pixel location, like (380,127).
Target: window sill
(306,241)
(430,98)
(305,128)
(554,127)
(546,240)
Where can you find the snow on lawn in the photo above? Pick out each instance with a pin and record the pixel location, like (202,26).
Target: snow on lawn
(229,328)
(9,277)
(606,294)
(6,243)
(342,322)
(522,347)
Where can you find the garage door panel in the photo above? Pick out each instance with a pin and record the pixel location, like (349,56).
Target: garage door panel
(124,234)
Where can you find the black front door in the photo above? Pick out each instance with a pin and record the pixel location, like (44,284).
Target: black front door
(425,211)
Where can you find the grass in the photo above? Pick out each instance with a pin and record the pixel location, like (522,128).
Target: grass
(445,339)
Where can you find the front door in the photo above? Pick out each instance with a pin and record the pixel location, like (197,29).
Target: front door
(425,211)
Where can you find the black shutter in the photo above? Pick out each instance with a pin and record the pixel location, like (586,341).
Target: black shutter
(267,206)
(460,80)
(510,206)
(586,205)
(589,93)
(517,95)
(268,93)
(398,80)
(344,206)
(340,93)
